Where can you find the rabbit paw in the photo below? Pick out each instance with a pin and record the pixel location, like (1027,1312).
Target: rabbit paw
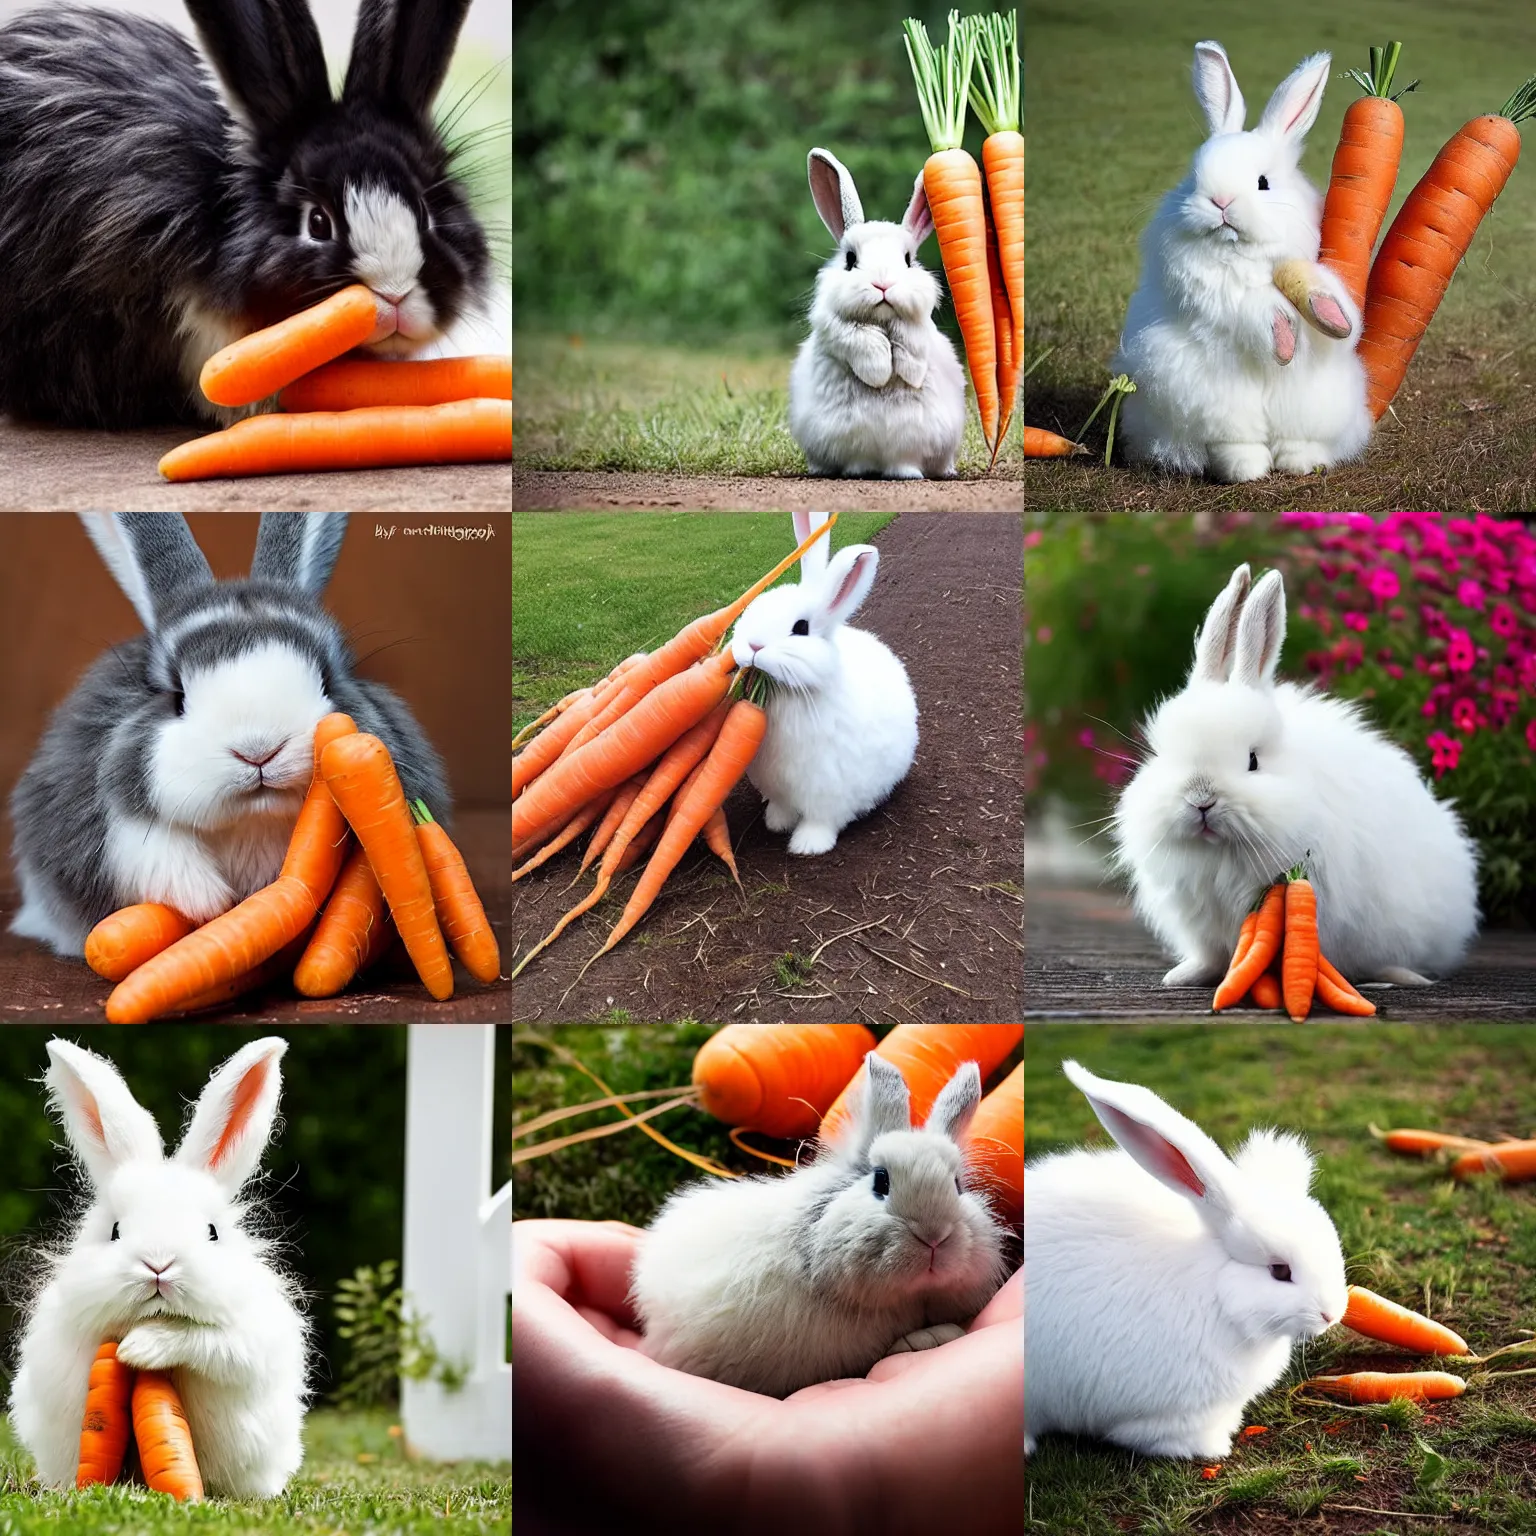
(904,472)
(811,838)
(927,1338)
(870,356)
(1233,463)
(1192,973)
(1300,458)
(779,818)
(911,368)
(152,1346)
(1283,329)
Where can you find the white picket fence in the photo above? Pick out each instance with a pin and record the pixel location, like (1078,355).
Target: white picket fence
(458,1243)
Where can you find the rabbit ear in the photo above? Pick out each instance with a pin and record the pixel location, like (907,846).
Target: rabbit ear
(234,1115)
(833,192)
(1293,108)
(1217,90)
(813,563)
(850,575)
(1216,639)
(1173,1149)
(956,1103)
(1261,633)
(401,51)
(882,1103)
(152,556)
(268,56)
(105,1124)
(918,220)
(298,549)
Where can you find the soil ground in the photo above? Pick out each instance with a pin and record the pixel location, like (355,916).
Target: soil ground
(915,915)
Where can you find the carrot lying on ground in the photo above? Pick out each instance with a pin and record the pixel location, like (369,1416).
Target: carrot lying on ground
(927,1056)
(1040,444)
(1429,237)
(373,437)
(717,838)
(1426,1143)
(1384,1386)
(567,834)
(278,968)
(1254,960)
(106,1427)
(347,385)
(260,364)
(994,1145)
(613,819)
(164,1437)
(554,711)
(459,909)
(1513,1161)
(1364,172)
(546,747)
(1378,1318)
(952,182)
(1338,993)
(345,933)
(777,1078)
(362,778)
(119,944)
(1265,992)
(1298,962)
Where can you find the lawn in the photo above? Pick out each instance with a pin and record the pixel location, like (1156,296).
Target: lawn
(591,587)
(1464,1253)
(1113,124)
(355,1479)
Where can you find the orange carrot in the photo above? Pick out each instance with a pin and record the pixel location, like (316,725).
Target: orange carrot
(777,1078)
(1008,368)
(1040,444)
(1265,992)
(465,924)
(547,746)
(319,842)
(122,942)
(618,808)
(1426,1143)
(995,1146)
(278,968)
(1384,1386)
(1429,237)
(1353,1002)
(1378,1318)
(344,934)
(164,1437)
(928,1055)
(361,776)
(567,834)
(1245,933)
(553,712)
(260,364)
(1298,963)
(952,182)
(1364,172)
(105,1430)
(717,838)
(738,741)
(641,844)
(1255,960)
(1513,1161)
(373,437)
(347,385)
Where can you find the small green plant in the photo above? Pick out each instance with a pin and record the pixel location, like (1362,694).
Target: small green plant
(792,969)
(388,1340)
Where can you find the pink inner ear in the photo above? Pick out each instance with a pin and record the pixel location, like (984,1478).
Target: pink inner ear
(1305,106)
(247,1091)
(850,581)
(1169,1162)
(85,1103)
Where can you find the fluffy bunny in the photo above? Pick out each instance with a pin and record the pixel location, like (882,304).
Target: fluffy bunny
(842,718)
(1165,1283)
(1244,779)
(876,388)
(175,770)
(162,1262)
(159,203)
(1229,381)
(774,1283)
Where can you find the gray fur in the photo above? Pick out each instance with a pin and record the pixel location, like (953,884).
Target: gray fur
(956,1103)
(299,548)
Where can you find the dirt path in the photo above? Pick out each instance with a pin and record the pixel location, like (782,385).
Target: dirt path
(540,489)
(49,469)
(916,913)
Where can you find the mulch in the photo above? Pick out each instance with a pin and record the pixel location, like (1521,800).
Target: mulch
(916,914)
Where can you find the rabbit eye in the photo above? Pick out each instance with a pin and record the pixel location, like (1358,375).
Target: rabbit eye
(1280,1271)
(909,258)
(114,1232)
(1263,183)
(800,627)
(852,261)
(213,1233)
(957,1184)
(882,1183)
(317,225)
(1253,762)
(178,701)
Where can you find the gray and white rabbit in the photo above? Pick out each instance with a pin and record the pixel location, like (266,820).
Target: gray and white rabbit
(842,717)
(165,1261)
(876,389)
(161,202)
(878,1246)
(175,770)
(1165,1283)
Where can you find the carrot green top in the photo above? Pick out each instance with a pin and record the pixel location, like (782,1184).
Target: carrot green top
(995,90)
(1383,67)
(943,78)
(1522,104)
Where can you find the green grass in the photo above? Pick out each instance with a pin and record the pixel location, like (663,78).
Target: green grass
(592,587)
(586,403)
(355,1479)
(1467,1254)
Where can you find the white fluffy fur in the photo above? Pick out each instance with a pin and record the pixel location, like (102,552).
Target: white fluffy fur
(774,1283)
(842,717)
(1151,1313)
(1395,874)
(387,256)
(218,1317)
(876,388)
(1199,337)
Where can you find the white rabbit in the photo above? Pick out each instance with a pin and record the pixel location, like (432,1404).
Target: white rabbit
(842,717)
(1229,382)
(876,388)
(164,1262)
(774,1283)
(1245,779)
(1165,1284)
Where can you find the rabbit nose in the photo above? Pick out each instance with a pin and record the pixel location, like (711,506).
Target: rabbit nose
(158,1268)
(1222,202)
(254,760)
(754,646)
(878,284)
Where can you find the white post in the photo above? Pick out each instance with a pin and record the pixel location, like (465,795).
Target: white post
(458,1244)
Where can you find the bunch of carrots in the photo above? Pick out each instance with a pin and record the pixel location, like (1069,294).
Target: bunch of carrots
(363,865)
(357,414)
(980,227)
(1512,1159)
(1278,960)
(672,725)
(123,1405)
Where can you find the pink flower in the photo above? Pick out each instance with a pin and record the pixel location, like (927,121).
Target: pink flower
(1382,583)
(1504,622)
(1470,594)
(1530,734)
(1445,752)
(1357,621)
(1034,538)
(1464,715)
(1461,654)
(1044,634)
(1085,738)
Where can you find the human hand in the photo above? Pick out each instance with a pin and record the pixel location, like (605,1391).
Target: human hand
(927,1441)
